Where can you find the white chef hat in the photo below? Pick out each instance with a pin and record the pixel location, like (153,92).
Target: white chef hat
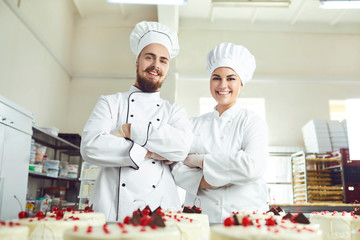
(236,57)
(146,33)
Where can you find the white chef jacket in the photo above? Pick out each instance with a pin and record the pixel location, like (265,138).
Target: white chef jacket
(127,180)
(235,148)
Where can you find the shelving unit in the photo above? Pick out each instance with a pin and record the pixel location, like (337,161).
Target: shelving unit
(60,149)
(317,178)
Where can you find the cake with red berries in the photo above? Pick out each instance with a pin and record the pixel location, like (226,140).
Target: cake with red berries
(337,225)
(191,222)
(261,226)
(143,224)
(13,231)
(88,215)
(49,227)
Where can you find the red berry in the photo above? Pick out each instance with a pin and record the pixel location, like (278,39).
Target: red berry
(270,222)
(145,220)
(39,214)
(127,220)
(160,212)
(55,208)
(229,222)
(59,214)
(87,208)
(23,214)
(69,209)
(246,221)
(145,212)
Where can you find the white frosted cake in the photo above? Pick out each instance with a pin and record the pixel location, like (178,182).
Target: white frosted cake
(13,231)
(49,228)
(190,226)
(93,218)
(122,231)
(355,235)
(336,225)
(262,226)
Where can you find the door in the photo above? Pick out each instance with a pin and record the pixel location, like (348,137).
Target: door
(14,171)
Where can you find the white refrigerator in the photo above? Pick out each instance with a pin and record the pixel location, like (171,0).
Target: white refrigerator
(15,143)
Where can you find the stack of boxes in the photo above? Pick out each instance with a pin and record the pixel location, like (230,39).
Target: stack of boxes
(316,137)
(322,136)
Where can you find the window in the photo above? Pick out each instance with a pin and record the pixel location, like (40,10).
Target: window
(337,110)
(257,105)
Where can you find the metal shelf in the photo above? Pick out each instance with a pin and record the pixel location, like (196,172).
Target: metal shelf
(43,175)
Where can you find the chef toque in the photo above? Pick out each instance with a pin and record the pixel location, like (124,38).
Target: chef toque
(236,57)
(146,33)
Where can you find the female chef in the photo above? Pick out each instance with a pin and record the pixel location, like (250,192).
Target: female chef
(224,171)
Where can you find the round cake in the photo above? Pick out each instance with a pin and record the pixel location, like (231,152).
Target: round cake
(93,218)
(336,225)
(122,231)
(262,226)
(13,231)
(49,228)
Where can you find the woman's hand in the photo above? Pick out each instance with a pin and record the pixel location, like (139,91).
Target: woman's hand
(126,129)
(194,160)
(205,185)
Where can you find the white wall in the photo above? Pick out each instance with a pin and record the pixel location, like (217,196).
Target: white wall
(297,73)
(29,74)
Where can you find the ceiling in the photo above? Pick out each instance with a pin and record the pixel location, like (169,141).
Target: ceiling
(301,15)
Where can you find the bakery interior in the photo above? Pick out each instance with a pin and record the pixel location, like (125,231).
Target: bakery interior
(57,57)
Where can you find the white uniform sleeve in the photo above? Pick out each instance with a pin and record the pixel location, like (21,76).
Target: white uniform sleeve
(242,165)
(187,178)
(171,140)
(101,148)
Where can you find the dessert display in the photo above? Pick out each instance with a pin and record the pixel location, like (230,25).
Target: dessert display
(144,224)
(122,231)
(13,231)
(337,225)
(51,225)
(274,224)
(88,215)
(192,224)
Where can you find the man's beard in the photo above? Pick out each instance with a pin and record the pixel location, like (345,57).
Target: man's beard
(146,85)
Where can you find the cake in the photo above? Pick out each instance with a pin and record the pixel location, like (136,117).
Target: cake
(355,235)
(13,231)
(122,231)
(93,218)
(262,226)
(191,222)
(336,225)
(144,224)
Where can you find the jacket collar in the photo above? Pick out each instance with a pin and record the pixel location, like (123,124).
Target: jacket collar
(229,112)
(150,96)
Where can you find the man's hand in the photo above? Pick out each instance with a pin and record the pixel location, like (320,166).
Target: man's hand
(158,157)
(194,160)
(126,129)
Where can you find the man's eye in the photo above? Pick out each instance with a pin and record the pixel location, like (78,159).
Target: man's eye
(231,79)
(216,78)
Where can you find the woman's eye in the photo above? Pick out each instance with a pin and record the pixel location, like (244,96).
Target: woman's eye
(216,78)
(231,79)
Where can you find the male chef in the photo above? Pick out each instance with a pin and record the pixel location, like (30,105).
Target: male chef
(134,135)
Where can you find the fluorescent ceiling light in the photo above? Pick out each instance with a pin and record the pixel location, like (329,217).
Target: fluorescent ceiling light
(251,3)
(150,2)
(340,4)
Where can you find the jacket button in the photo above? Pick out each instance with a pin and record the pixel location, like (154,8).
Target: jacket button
(123,184)
(158,119)
(153,162)
(153,186)
(158,105)
(131,115)
(133,100)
